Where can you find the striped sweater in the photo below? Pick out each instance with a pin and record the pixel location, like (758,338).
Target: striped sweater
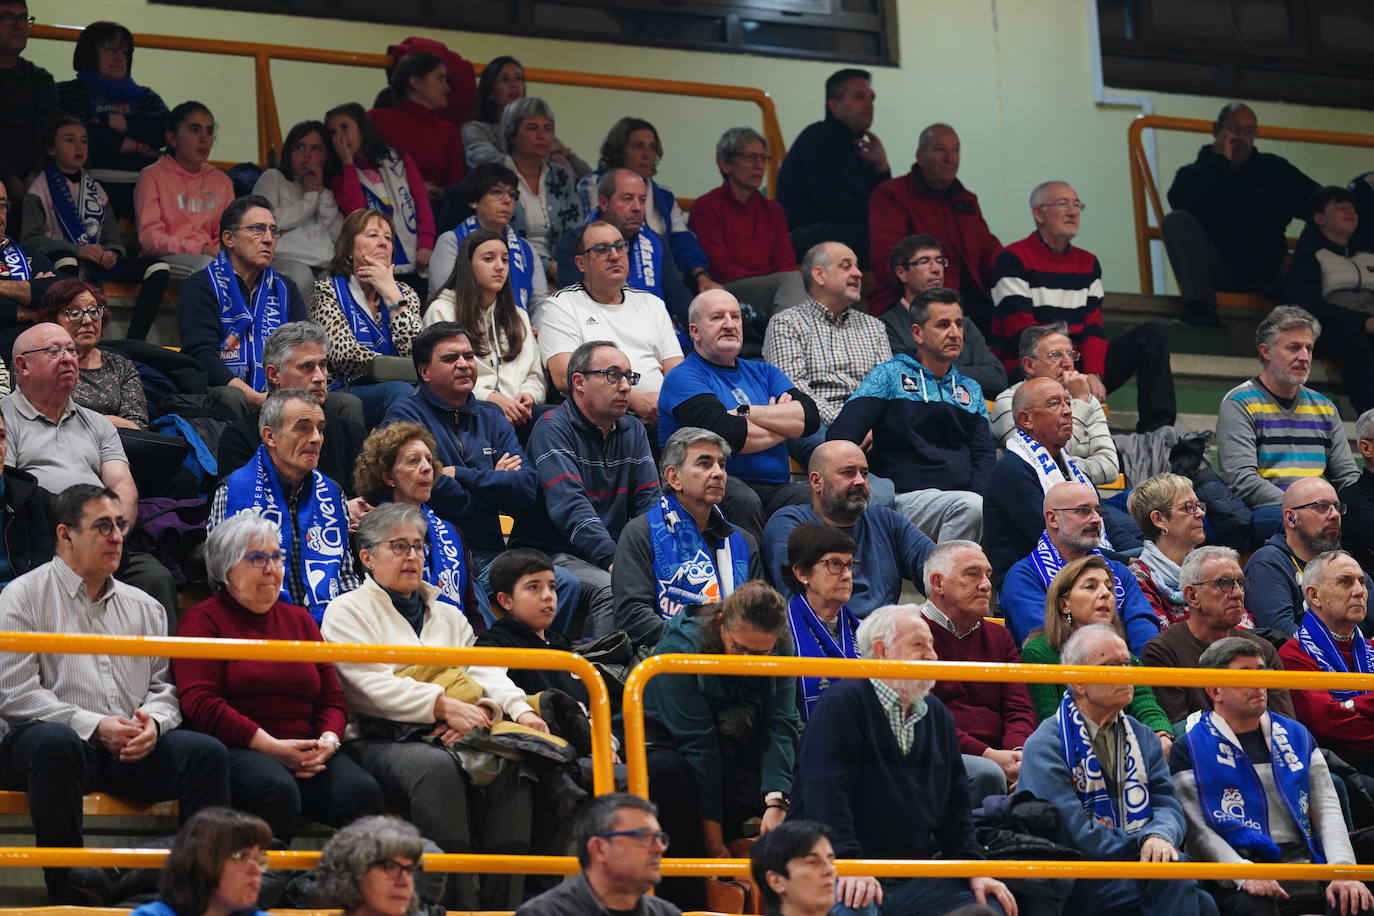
(1264,447)
(1034,284)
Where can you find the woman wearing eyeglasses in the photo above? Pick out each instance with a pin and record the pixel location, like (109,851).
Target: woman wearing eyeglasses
(398,716)
(370,869)
(281,721)
(1079,594)
(820,573)
(214,868)
(738,734)
(549,204)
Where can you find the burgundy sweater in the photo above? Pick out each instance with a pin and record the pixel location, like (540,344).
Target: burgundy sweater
(231,700)
(996,715)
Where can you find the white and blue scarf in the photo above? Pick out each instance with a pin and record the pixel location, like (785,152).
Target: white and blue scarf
(372,334)
(1046,561)
(322,524)
(16,263)
(1047,470)
(79,221)
(1231,794)
(446,565)
(686,571)
(812,639)
(250,328)
(1130,810)
(393,195)
(1318,642)
(521,257)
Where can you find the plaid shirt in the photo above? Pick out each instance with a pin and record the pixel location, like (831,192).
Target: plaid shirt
(902,719)
(825,355)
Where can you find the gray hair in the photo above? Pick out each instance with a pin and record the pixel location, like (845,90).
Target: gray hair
(1080,645)
(1039,192)
(675,449)
(1031,337)
(352,850)
(605,186)
(598,816)
(581,359)
(231,539)
(1227,649)
(1316,567)
(818,255)
(882,624)
(736,139)
(378,524)
(282,343)
(927,136)
(531,106)
(1191,572)
(1364,426)
(275,406)
(1285,318)
(941,560)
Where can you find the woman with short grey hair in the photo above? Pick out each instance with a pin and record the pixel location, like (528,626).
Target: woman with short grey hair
(281,721)
(369,867)
(549,204)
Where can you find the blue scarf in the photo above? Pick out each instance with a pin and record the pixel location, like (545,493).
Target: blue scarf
(16,264)
(250,328)
(106,95)
(366,331)
(521,257)
(813,640)
(686,571)
(79,225)
(1130,810)
(1231,794)
(396,188)
(321,518)
(1318,642)
(1047,561)
(445,566)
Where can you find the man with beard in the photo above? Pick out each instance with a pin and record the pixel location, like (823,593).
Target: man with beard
(880,765)
(1311,525)
(1073,529)
(889,548)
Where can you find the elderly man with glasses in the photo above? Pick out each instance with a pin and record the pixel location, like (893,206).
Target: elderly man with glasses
(1044,279)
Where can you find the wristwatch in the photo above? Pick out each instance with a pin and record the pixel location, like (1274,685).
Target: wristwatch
(332,740)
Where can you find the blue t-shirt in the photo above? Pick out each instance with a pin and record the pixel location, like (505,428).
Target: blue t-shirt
(749,382)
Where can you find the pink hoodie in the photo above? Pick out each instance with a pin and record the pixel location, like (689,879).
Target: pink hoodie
(178,212)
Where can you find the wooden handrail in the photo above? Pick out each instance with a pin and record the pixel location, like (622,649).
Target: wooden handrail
(269,121)
(1143,182)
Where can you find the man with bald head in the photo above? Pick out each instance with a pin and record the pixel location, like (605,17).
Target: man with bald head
(750,404)
(1044,279)
(1311,524)
(930,200)
(1073,529)
(889,548)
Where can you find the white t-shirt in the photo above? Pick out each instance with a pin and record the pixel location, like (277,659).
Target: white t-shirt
(638,325)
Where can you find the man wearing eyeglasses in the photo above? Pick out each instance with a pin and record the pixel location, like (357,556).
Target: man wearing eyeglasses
(84,723)
(226,312)
(1214,587)
(1044,279)
(1357,534)
(30,101)
(604,307)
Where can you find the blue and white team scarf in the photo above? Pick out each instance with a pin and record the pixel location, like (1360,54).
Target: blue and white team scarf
(521,257)
(394,195)
(1130,810)
(79,221)
(445,566)
(1231,794)
(249,328)
(1046,561)
(1046,470)
(812,639)
(322,524)
(16,263)
(1318,642)
(373,335)
(686,571)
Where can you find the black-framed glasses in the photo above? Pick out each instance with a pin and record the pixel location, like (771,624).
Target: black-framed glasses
(106,527)
(509,194)
(1225,584)
(116,47)
(836,566)
(53,352)
(1323,506)
(264,560)
(1081,511)
(15,19)
(258,230)
(400,547)
(927,261)
(249,856)
(5,205)
(643,836)
(395,869)
(604,249)
(615,374)
(75,315)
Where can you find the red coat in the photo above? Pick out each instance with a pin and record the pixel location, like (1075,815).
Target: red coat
(1348,732)
(431,140)
(462,78)
(908,206)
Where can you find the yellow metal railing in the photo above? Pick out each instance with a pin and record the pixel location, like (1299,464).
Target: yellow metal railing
(1145,190)
(269,121)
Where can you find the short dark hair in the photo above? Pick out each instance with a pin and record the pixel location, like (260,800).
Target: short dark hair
(184,111)
(598,816)
(1229,109)
(84,59)
(834,83)
(192,870)
(483,179)
(903,250)
(785,842)
(1322,197)
(229,219)
(613,147)
(920,308)
(509,567)
(69,505)
(422,347)
(295,135)
(581,359)
(1227,649)
(807,543)
(53,126)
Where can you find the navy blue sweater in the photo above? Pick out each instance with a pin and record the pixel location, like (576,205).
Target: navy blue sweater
(1013,513)
(823,177)
(883,804)
(471,439)
(199,325)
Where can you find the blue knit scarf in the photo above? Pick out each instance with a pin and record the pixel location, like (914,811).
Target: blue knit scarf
(686,571)
(813,640)
(1130,810)
(249,328)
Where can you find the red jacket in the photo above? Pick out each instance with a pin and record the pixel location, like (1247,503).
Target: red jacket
(462,78)
(741,239)
(908,206)
(431,140)
(1348,732)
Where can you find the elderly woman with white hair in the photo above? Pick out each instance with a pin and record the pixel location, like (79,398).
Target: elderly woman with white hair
(370,869)
(281,721)
(404,707)
(549,204)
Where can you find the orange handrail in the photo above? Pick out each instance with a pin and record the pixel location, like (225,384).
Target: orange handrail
(269,122)
(1143,182)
